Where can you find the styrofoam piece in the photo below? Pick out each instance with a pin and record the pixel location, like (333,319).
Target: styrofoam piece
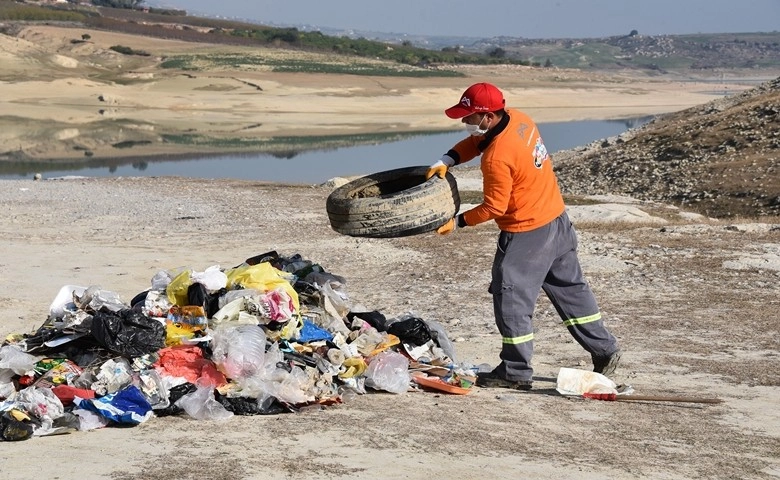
(64,300)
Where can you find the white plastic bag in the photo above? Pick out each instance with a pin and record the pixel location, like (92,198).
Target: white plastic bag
(89,420)
(388,371)
(14,359)
(201,404)
(576,382)
(213,278)
(43,404)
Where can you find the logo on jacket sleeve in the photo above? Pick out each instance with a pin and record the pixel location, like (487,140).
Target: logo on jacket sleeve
(540,153)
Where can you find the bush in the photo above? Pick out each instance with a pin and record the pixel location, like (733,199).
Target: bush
(128,51)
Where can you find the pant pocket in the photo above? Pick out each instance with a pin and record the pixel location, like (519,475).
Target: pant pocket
(496,288)
(504,239)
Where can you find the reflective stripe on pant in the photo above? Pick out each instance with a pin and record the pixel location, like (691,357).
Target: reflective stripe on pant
(524,264)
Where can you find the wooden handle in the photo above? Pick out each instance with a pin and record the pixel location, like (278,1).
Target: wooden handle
(648,398)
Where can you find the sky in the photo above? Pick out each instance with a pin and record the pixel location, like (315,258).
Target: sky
(511,18)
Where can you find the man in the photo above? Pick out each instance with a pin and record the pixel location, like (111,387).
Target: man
(537,246)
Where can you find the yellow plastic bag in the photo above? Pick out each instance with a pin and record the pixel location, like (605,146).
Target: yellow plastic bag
(355,367)
(176,291)
(262,277)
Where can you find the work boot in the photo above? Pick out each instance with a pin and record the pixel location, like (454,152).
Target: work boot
(491,380)
(606,365)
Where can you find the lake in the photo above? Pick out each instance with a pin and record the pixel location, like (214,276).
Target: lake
(317,166)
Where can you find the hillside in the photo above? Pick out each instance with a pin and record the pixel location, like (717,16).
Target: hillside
(721,158)
(695,54)
(654,54)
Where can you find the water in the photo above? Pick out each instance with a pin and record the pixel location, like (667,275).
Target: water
(317,166)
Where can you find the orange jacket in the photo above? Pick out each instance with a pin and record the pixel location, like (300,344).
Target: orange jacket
(520,189)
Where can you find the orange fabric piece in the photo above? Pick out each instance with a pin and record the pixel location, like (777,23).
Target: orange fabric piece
(520,189)
(187,361)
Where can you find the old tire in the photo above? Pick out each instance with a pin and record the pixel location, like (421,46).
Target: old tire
(393,203)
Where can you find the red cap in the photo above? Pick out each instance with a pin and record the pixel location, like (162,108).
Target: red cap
(480,97)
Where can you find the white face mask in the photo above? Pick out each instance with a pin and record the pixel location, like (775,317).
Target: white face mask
(474,130)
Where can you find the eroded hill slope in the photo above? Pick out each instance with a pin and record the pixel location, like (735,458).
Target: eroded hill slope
(720,158)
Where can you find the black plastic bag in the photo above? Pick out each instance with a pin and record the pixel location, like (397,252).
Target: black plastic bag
(137,303)
(271,256)
(411,330)
(374,318)
(250,406)
(12,430)
(127,332)
(174,394)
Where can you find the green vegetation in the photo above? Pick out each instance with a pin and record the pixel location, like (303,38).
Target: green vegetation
(286,142)
(360,69)
(130,143)
(336,66)
(118,3)
(581,55)
(13,11)
(653,53)
(404,53)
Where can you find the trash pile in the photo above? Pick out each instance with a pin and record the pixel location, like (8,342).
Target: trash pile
(272,335)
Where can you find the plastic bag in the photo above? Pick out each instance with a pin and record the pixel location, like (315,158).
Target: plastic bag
(201,404)
(388,371)
(572,381)
(14,359)
(312,333)
(161,280)
(411,330)
(212,278)
(89,420)
(15,426)
(439,335)
(174,394)
(125,406)
(252,406)
(95,298)
(177,288)
(263,277)
(127,332)
(114,375)
(41,403)
(187,362)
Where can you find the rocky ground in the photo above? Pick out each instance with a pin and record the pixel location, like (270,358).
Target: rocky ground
(721,158)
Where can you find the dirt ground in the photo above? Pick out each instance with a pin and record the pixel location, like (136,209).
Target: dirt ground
(693,302)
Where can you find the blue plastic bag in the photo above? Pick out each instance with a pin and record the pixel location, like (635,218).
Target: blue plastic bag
(125,406)
(312,333)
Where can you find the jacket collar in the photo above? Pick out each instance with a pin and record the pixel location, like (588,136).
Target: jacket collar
(494,132)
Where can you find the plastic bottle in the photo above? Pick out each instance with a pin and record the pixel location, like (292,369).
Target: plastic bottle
(239,351)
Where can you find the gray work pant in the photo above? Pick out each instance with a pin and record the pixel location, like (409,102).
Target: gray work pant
(546,259)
